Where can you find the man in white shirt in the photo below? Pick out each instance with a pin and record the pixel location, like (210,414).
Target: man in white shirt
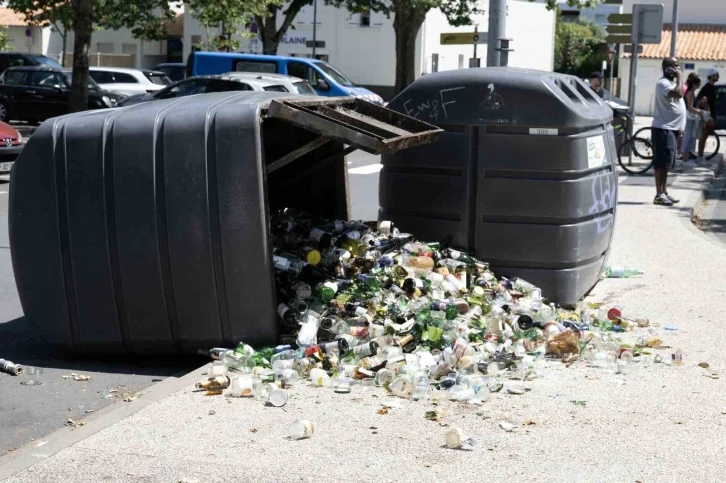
(669,121)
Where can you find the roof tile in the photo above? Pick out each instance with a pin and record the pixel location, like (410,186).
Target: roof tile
(694,42)
(11,18)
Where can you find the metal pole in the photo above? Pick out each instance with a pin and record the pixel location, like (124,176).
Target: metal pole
(633,82)
(674,28)
(497,30)
(315,25)
(476,31)
(612,68)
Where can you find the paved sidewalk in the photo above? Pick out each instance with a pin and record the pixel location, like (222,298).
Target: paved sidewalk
(659,424)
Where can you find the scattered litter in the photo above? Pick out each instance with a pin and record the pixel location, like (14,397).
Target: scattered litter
(301,429)
(75,424)
(11,368)
(212,412)
(455,439)
(89,411)
(77,377)
(131,397)
(506,426)
(704,365)
(529,422)
(253,430)
(363,311)
(579,403)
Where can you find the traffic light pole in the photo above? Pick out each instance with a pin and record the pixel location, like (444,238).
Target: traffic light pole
(674,28)
(497,30)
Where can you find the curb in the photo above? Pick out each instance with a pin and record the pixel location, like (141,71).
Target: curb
(39,450)
(702,210)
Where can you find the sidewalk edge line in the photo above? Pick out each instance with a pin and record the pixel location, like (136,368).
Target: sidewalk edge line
(43,448)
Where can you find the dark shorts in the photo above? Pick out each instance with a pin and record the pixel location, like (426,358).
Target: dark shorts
(665,144)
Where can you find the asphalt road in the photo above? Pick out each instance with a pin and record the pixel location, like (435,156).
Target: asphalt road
(30,412)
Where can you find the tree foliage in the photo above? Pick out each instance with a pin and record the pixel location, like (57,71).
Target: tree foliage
(579,47)
(4,40)
(229,18)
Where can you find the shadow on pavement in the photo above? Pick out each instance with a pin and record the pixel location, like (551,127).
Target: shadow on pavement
(21,343)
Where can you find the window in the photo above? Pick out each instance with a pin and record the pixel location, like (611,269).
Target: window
(255,66)
(46,79)
(15,77)
(122,78)
(92,85)
(303,71)
(275,88)
(185,88)
(43,60)
(218,85)
(365,18)
(335,74)
(158,78)
(304,88)
(102,76)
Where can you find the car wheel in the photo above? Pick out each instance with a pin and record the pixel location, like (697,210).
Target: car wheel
(4,112)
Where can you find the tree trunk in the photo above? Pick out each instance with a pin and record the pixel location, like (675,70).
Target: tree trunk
(406,25)
(65,46)
(268,32)
(83,26)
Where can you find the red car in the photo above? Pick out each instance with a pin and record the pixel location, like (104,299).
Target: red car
(11,143)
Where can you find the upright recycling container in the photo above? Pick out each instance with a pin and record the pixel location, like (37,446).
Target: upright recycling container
(524,174)
(144,230)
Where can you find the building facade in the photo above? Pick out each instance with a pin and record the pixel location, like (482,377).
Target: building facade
(701,45)
(361,45)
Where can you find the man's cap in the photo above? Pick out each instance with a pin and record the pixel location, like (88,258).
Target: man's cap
(712,72)
(596,75)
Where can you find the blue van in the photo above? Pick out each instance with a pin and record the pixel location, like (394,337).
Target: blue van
(323,77)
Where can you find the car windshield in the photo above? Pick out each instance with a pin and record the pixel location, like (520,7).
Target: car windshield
(305,88)
(42,60)
(91,83)
(334,74)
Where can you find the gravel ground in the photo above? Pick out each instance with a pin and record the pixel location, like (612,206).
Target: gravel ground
(662,423)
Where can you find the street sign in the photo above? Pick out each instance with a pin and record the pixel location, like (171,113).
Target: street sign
(464,38)
(628,49)
(618,39)
(620,18)
(318,44)
(611,55)
(474,63)
(619,29)
(649,22)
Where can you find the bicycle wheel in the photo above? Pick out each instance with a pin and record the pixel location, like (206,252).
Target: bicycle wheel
(713,145)
(644,133)
(636,164)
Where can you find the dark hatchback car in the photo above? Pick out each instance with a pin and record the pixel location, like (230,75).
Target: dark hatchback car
(35,94)
(720,106)
(19,59)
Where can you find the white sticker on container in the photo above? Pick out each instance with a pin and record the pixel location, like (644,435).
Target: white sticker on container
(596,154)
(543,131)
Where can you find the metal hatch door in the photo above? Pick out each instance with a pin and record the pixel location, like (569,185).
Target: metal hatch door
(354,122)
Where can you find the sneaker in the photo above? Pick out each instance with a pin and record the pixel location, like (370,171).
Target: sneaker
(673,200)
(662,199)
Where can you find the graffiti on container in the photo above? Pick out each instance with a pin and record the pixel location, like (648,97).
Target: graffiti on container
(492,101)
(433,107)
(603,200)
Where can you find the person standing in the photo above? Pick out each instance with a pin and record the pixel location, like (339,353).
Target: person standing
(596,83)
(668,122)
(708,91)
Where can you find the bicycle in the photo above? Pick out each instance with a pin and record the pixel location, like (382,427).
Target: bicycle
(640,148)
(713,142)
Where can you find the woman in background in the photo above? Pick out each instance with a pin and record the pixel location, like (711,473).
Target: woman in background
(693,121)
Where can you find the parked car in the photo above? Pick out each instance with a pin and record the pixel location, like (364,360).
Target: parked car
(323,77)
(11,144)
(19,59)
(35,94)
(175,71)
(129,82)
(222,83)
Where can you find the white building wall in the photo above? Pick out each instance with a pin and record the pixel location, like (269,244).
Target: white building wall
(367,54)
(649,71)
(689,11)
(20,41)
(530,25)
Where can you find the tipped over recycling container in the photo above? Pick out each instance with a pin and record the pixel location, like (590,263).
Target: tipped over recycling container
(524,174)
(145,230)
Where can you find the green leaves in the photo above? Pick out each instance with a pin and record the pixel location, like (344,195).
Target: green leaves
(579,47)
(230,17)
